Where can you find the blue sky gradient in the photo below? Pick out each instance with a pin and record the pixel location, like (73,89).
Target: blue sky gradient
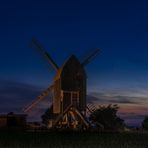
(119,28)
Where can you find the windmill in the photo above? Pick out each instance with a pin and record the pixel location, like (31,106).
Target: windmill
(68,89)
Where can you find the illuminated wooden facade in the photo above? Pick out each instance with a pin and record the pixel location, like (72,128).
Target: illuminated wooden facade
(70,86)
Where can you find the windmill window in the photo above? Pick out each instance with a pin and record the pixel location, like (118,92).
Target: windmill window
(70,96)
(75,98)
(74,95)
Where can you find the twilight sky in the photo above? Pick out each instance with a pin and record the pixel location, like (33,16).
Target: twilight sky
(118,75)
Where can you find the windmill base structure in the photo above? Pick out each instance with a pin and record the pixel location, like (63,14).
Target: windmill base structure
(71,118)
(69,107)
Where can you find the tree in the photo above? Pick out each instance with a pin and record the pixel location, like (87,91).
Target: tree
(145,123)
(47,115)
(107,117)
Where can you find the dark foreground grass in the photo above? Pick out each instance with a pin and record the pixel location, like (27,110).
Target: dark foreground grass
(72,140)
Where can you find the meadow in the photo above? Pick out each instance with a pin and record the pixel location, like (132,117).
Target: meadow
(72,140)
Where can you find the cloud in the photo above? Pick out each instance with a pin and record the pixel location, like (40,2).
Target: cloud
(123,100)
(131,118)
(112,98)
(132,115)
(15,95)
(92,99)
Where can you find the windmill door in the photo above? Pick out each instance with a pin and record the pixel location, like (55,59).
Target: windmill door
(75,99)
(69,98)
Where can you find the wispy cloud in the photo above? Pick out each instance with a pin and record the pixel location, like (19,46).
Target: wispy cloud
(15,95)
(113,98)
(132,118)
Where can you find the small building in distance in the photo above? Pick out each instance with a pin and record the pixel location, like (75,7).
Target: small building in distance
(12,120)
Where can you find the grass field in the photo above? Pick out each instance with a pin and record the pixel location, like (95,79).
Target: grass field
(72,140)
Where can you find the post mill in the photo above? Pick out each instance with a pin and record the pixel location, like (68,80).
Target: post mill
(69,91)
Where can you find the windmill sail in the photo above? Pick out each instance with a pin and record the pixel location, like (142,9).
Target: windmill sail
(90,57)
(38,99)
(35,44)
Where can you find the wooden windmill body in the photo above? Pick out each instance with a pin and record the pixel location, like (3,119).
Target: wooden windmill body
(70,86)
(69,92)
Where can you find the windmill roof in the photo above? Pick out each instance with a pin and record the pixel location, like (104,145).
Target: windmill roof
(61,69)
